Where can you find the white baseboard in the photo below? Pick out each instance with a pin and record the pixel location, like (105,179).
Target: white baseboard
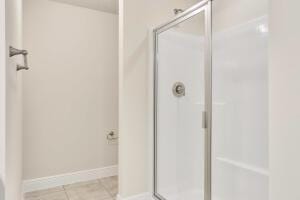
(64,179)
(144,196)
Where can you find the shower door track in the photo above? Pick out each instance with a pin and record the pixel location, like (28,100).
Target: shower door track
(205,6)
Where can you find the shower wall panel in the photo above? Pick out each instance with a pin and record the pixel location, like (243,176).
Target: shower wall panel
(240,112)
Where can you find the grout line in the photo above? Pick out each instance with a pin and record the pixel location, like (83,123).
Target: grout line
(108,190)
(65,191)
(111,196)
(66,194)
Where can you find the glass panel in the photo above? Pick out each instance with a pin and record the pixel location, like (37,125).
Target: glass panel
(240,100)
(180,102)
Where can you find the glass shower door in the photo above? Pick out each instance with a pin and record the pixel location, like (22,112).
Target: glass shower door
(182,60)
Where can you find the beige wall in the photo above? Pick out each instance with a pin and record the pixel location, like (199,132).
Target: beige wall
(284,79)
(136,18)
(71,89)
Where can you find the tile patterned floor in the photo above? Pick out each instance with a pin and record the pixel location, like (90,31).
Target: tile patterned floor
(102,189)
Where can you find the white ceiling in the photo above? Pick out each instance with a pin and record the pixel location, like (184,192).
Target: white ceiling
(110,6)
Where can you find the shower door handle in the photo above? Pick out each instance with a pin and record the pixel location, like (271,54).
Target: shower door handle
(14,52)
(204,119)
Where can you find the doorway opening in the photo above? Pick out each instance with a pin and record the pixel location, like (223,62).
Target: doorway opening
(70,100)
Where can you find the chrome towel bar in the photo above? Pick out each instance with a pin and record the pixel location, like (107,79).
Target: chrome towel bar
(14,52)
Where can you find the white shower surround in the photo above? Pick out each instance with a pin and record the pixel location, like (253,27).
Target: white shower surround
(240,114)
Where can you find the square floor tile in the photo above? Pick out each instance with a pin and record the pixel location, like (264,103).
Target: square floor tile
(58,195)
(111,184)
(35,194)
(91,190)
(80,184)
(54,196)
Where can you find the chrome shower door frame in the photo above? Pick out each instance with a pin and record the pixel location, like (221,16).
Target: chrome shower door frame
(206,7)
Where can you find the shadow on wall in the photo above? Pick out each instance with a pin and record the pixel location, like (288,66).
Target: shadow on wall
(1,190)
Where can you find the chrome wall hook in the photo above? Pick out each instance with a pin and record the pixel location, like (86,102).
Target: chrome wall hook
(14,52)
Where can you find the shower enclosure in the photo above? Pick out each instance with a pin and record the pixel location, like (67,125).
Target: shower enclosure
(210,103)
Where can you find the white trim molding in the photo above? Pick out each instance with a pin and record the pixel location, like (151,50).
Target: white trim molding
(69,178)
(143,196)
